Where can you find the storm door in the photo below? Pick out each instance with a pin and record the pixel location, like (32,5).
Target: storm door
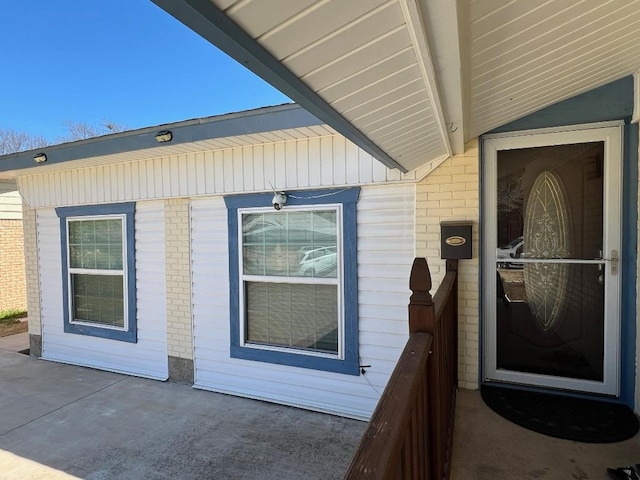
(551,258)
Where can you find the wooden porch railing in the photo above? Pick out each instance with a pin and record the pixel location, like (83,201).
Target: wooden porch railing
(410,433)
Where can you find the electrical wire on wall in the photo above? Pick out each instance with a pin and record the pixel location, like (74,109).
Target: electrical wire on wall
(363,372)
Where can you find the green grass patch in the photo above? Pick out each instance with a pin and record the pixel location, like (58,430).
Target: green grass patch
(8,317)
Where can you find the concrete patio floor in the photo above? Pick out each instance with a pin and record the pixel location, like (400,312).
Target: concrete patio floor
(64,422)
(61,422)
(488,447)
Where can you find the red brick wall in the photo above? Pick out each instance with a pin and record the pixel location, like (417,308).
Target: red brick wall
(13,292)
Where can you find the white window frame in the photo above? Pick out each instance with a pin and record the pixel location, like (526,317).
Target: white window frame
(338,281)
(105,272)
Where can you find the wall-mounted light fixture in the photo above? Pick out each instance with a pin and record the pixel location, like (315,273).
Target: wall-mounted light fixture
(40,158)
(164,136)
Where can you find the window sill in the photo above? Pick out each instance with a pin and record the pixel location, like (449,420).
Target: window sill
(296,359)
(101,332)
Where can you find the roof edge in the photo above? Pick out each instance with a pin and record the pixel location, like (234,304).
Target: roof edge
(247,122)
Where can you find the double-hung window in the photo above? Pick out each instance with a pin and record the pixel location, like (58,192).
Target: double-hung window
(98,270)
(293,279)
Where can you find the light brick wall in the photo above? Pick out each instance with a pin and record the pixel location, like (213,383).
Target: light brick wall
(13,291)
(29,222)
(451,192)
(178,277)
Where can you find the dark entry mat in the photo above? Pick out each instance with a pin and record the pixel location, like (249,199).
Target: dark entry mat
(578,419)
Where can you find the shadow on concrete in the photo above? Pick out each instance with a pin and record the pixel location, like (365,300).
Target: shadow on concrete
(62,421)
(489,447)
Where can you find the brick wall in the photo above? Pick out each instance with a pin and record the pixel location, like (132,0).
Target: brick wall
(13,293)
(451,192)
(178,277)
(29,222)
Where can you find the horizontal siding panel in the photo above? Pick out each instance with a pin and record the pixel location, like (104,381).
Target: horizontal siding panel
(382,323)
(147,357)
(10,202)
(369,284)
(214,339)
(329,402)
(381,297)
(370,354)
(298,382)
(374,244)
(394,313)
(382,258)
(387,218)
(387,339)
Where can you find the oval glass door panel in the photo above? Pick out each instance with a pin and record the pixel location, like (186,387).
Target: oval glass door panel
(546,229)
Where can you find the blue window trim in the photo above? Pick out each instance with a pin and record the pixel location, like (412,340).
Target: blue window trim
(348,197)
(128,209)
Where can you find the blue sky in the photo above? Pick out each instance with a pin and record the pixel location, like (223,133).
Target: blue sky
(126,61)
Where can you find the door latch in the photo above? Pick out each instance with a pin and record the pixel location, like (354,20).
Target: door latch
(614,262)
(615,259)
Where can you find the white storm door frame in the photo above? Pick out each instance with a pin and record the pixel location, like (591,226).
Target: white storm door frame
(611,134)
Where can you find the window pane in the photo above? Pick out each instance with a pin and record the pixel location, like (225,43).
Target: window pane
(75,232)
(289,315)
(98,299)
(88,236)
(95,244)
(102,256)
(115,257)
(290,244)
(115,231)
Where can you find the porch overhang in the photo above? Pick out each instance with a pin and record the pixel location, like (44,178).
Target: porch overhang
(409,81)
(363,67)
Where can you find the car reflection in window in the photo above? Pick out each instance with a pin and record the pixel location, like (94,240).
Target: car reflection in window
(513,250)
(318,262)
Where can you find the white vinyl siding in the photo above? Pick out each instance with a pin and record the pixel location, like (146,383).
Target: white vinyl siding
(147,357)
(296,164)
(385,223)
(10,201)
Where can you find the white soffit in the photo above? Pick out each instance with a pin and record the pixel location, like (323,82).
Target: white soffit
(368,59)
(167,150)
(527,55)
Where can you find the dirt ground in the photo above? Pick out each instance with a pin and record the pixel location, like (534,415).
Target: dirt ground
(513,282)
(7,329)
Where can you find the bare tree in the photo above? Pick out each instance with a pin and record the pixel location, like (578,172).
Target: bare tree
(12,141)
(83,130)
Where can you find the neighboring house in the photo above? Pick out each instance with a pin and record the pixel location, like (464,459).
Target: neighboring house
(171,261)
(13,293)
